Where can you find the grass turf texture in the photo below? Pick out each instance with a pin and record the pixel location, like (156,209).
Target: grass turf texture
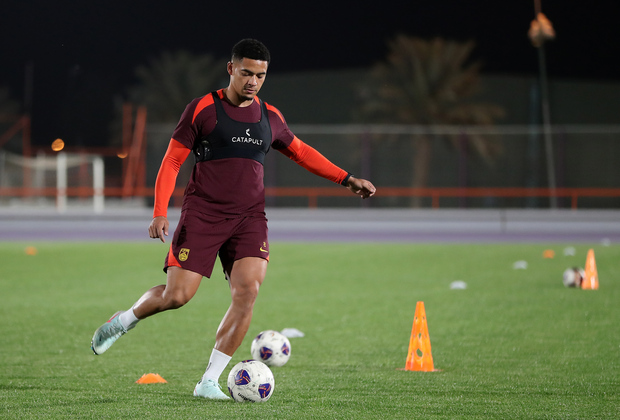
(514,344)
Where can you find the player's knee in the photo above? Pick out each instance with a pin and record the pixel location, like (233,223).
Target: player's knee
(175,300)
(246,292)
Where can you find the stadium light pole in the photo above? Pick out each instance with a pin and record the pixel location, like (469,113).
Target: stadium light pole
(540,33)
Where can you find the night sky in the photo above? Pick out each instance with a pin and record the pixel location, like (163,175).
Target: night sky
(83,54)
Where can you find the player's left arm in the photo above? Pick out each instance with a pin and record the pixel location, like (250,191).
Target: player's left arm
(361,187)
(310,159)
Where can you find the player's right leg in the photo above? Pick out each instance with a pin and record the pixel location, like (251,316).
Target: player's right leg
(181,285)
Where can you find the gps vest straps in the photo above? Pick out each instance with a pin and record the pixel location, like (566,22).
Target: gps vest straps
(235,139)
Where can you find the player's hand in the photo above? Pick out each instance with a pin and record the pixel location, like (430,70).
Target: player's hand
(361,187)
(158,228)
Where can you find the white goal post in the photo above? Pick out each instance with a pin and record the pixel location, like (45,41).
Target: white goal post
(42,169)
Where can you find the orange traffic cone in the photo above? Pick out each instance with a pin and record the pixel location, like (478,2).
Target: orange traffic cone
(151,378)
(590,281)
(419,357)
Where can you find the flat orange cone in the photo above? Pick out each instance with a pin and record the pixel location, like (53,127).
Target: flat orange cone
(151,378)
(419,357)
(548,253)
(590,280)
(30,250)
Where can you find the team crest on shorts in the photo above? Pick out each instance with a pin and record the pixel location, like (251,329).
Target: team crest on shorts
(183,254)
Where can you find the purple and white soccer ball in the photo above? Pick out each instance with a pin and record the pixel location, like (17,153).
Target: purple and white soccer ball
(573,277)
(272,348)
(250,381)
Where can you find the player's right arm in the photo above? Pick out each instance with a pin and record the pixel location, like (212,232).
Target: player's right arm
(164,187)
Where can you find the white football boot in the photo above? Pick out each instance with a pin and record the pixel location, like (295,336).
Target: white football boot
(210,389)
(107,334)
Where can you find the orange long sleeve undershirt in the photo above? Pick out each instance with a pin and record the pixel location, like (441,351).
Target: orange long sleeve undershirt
(167,176)
(310,159)
(298,151)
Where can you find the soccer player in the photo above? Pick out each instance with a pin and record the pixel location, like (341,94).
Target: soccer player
(229,132)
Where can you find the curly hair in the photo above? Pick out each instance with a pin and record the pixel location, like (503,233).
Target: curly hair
(250,48)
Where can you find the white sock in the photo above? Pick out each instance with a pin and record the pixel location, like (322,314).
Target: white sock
(217,363)
(128,319)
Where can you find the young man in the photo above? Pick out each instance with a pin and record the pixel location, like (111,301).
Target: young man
(223,212)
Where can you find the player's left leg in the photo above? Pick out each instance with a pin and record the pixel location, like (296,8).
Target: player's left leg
(245,277)
(244,258)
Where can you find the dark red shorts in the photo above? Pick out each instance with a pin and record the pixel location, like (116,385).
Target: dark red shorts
(199,238)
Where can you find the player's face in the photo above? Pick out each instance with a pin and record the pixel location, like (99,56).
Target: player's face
(246,79)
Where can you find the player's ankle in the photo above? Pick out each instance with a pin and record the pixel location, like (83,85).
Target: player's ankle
(128,319)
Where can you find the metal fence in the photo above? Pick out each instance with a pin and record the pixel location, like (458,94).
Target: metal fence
(515,174)
(419,166)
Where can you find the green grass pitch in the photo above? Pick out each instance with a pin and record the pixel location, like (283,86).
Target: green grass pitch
(515,344)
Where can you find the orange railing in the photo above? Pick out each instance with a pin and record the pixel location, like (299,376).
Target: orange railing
(312,194)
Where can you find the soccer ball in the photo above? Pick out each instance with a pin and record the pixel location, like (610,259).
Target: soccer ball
(250,380)
(271,348)
(573,277)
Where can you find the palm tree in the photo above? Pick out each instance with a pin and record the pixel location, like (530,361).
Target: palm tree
(428,82)
(172,80)
(165,86)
